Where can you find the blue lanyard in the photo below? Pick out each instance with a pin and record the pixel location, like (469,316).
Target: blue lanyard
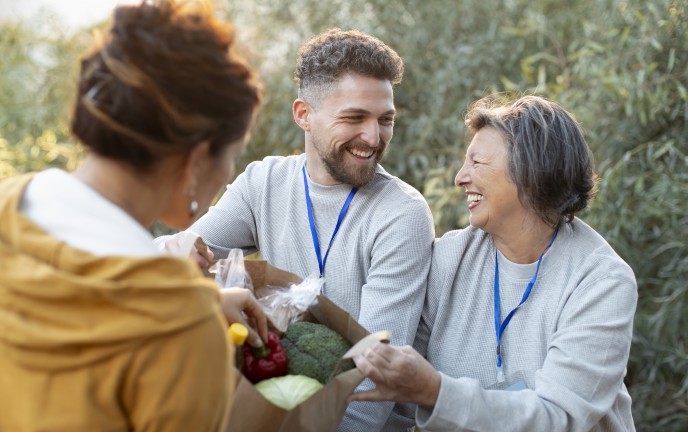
(499,329)
(311,220)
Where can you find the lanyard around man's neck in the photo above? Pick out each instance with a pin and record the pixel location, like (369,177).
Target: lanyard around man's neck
(499,328)
(311,220)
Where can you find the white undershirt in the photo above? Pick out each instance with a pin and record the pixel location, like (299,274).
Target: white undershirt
(70,210)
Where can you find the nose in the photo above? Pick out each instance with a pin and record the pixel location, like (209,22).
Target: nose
(371,133)
(462,178)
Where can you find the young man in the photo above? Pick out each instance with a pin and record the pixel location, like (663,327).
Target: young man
(334,211)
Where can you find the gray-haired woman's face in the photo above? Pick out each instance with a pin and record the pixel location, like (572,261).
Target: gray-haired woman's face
(492,197)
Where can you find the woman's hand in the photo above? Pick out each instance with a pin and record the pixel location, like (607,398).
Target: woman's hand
(240,306)
(400,374)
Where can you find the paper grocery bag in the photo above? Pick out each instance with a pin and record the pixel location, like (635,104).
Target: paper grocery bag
(324,410)
(263,274)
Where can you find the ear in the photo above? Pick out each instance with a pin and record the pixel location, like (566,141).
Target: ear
(302,111)
(195,163)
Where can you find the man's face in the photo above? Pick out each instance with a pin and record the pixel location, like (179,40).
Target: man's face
(351,128)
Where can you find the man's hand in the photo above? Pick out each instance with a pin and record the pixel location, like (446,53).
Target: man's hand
(240,306)
(400,374)
(203,256)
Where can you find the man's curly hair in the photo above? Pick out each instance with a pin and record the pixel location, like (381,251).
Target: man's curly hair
(326,57)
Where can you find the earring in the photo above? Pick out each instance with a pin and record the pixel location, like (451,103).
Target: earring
(193,207)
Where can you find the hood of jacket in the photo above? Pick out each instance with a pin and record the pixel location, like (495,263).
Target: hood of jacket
(62,308)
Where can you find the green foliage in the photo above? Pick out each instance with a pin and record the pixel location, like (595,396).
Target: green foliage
(36,153)
(644,216)
(37,71)
(620,66)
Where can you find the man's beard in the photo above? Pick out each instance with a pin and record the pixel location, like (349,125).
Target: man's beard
(337,167)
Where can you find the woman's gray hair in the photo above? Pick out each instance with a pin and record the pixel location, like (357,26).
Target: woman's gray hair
(548,159)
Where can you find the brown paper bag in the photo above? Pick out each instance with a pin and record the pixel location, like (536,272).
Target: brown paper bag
(263,274)
(324,410)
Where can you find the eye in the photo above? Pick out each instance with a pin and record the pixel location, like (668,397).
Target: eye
(353,118)
(387,121)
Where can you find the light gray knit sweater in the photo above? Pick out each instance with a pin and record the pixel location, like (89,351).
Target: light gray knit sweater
(571,338)
(378,263)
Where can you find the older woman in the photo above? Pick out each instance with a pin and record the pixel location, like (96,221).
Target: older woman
(529,312)
(98,330)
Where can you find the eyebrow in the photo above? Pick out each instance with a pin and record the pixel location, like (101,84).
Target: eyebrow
(472,154)
(362,111)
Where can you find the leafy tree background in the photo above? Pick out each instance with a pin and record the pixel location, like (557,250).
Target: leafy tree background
(621,66)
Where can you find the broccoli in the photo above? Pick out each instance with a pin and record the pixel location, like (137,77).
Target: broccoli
(314,350)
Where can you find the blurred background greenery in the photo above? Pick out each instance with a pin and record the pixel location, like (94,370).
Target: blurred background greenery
(621,66)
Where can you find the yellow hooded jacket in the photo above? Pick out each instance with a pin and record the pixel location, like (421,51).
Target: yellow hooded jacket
(105,343)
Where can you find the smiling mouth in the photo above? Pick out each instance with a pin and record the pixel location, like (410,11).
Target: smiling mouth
(363,154)
(473,199)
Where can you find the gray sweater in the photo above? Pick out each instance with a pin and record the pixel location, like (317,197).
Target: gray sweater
(570,339)
(378,263)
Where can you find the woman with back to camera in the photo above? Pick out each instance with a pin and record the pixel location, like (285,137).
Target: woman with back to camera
(98,330)
(529,312)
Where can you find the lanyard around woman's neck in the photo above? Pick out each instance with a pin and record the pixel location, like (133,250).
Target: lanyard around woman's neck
(499,329)
(311,220)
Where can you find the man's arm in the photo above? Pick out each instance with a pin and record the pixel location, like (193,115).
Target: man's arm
(230,223)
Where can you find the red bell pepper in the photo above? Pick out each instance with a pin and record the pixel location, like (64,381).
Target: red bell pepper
(269,361)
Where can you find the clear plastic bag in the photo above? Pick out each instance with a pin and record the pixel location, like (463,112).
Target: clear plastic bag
(180,244)
(230,272)
(283,305)
(286,305)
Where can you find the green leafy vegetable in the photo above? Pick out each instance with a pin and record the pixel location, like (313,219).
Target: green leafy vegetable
(314,350)
(289,390)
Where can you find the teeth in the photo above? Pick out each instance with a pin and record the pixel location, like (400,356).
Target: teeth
(474,197)
(361,153)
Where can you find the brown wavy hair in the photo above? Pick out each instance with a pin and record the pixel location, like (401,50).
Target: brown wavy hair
(166,78)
